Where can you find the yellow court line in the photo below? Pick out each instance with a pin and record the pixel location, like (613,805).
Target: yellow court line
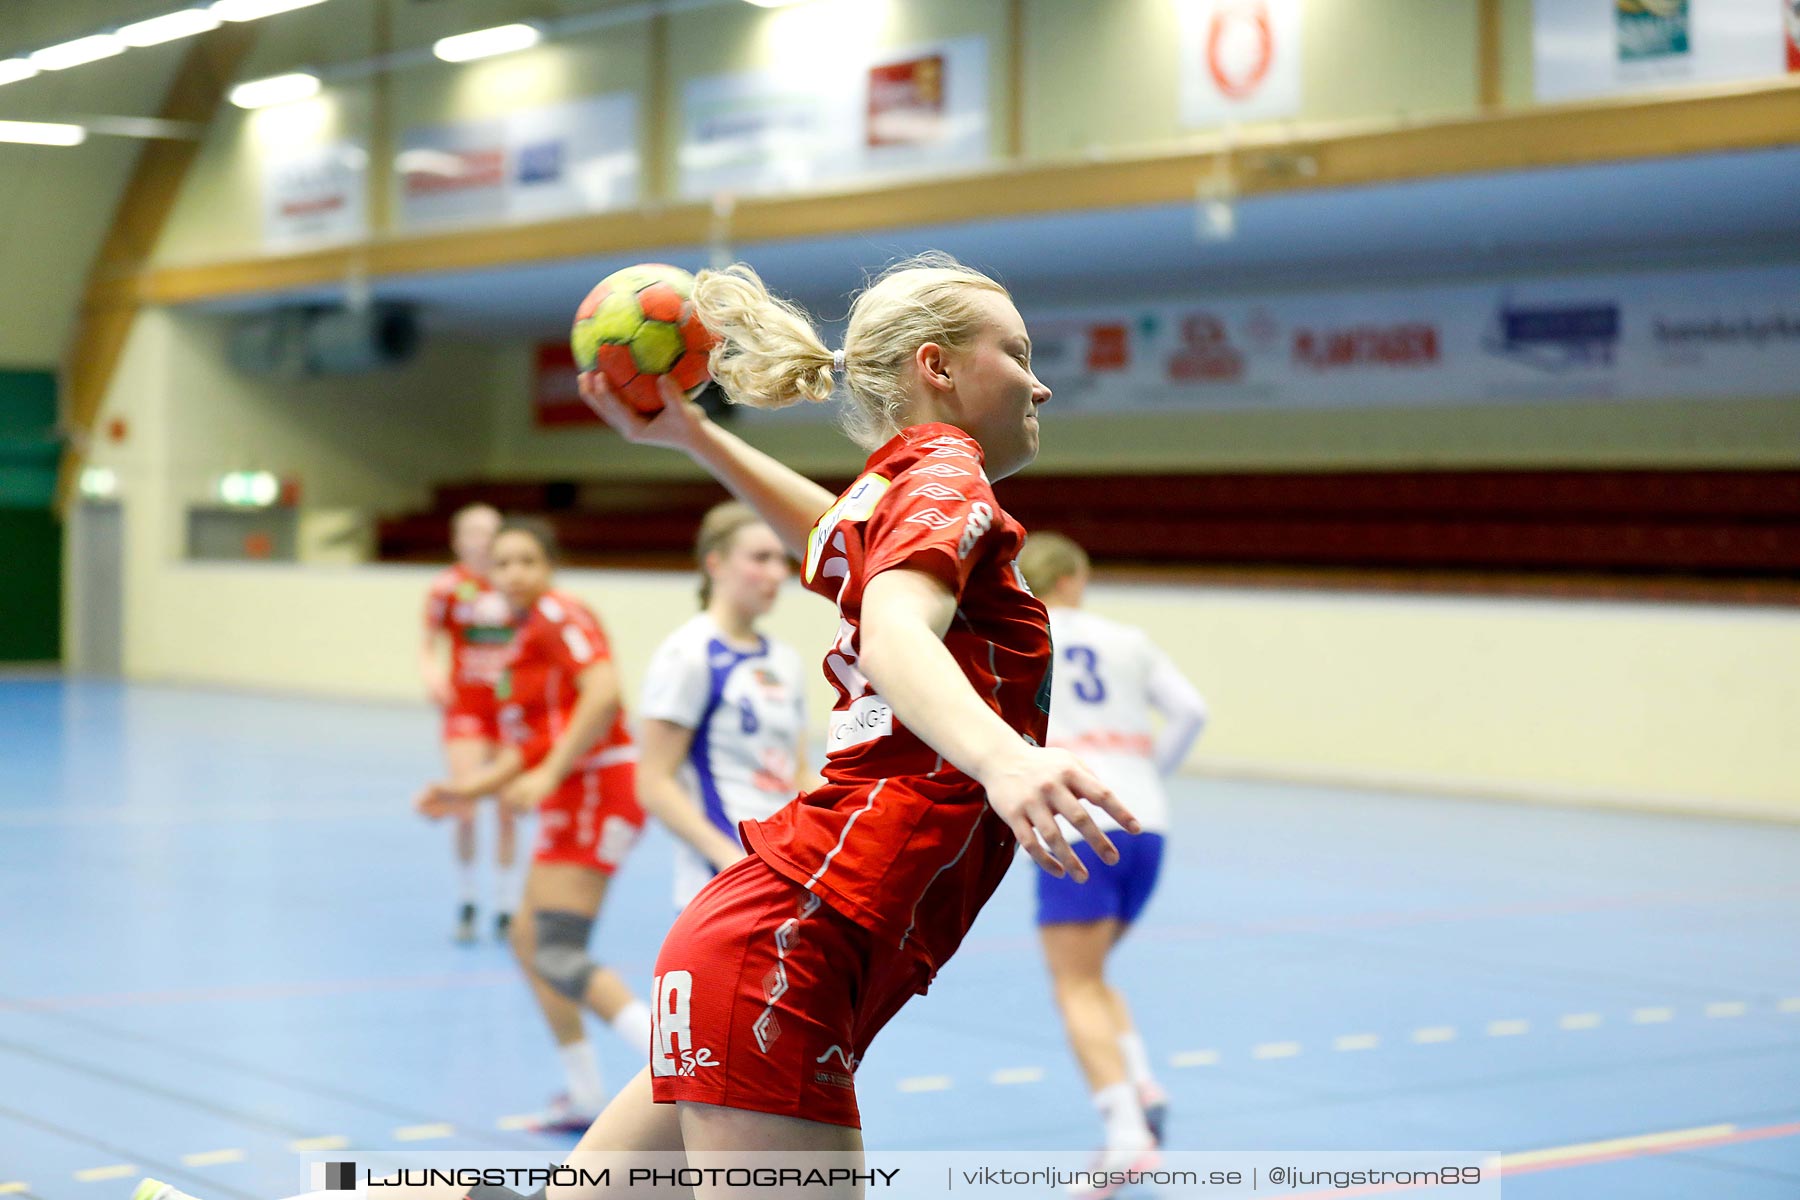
(98,1174)
(1580,1021)
(1645,1141)
(517,1121)
(1195,1058)
(1727,1008)
(1434,1033)
(926,1083)
(1356,1041)
(1652,1016)
(1509,1028)
(424,1133)
(313,1144)
(1275,1050)
(1017,1075)
(212,1158)
(7,1189)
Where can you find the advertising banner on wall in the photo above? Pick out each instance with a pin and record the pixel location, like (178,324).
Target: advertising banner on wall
(1695,334)
(314,195)
(531,165)
(555,398)
(917,110)
(1239,60)
(1584,48)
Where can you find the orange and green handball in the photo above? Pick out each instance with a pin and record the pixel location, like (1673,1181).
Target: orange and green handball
(639,324)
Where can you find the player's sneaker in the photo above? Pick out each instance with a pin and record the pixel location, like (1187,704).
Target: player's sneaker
(1155,1103)
(561,1117)
(502,926)
(1109,1162)
(465,925)
(156,1189)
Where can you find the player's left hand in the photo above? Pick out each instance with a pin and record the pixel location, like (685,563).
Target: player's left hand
(529,790)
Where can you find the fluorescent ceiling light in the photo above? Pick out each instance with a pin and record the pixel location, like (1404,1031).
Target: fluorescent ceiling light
(42,133)
(773,3)
(158,30)
(252,10)
(15,69)
(77,52)
(485,43)
(276,89)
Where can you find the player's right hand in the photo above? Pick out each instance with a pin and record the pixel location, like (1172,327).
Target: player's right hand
(677,426)
(1031,788)
(437,801)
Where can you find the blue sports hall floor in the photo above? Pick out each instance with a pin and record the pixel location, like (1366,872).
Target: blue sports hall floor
(223,934)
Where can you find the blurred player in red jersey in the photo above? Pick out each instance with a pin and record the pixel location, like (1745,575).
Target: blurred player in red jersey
(567,756)
(464,610)
(774,980)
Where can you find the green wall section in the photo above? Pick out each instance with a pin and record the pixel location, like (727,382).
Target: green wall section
(30,535)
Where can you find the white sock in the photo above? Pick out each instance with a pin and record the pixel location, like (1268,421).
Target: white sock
(506,887)
(582,1071)
(466,882)
(632,1024)
(1125,1126)
(1137,1060)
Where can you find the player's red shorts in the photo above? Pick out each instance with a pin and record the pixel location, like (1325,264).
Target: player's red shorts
(766,999)
(592,820)
(473,713)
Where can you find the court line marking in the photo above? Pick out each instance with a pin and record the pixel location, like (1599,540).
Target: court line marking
(98,1174)
(1579,1021)
(926,1083)
(1651,1016)
(1512,1027)
(1011,1075)
(1195,1058)
(1727,1008)
(518,1121)
(1275,1050)
(1790,1005)
(7,1189)
(1433,1034)
(424,1133)
(310,1145)
(1356,1041)
(212,1158)
(1613,1149)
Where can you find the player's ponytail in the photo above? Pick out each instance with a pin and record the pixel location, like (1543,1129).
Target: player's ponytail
(769,355)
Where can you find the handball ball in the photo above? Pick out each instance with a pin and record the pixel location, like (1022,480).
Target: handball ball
(637,325)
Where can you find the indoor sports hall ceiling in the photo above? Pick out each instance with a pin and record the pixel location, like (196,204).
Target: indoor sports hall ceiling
(1737,207)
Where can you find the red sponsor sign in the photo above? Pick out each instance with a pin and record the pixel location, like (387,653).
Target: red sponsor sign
(1109,348)
(555,398)
(906,101)
(473,169)
(1413,344)
(1240,48)
(1790,21)
(1206,354)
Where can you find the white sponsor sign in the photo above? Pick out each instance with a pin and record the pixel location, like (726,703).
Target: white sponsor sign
(530,165)
(314,195)
(1585,48)
(1239,60)
(917,110)
(1729,333)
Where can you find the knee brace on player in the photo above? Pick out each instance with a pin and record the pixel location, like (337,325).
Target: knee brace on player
(562,958)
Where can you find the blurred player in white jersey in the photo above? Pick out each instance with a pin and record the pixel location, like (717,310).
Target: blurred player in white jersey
(723,737)
(1109,679)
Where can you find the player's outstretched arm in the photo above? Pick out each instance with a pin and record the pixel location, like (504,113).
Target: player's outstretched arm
(789,501)
(1183,710)
(458,796)
(662,748)
(905,614)
(595,708)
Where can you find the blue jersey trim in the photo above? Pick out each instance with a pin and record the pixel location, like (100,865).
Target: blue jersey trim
(721,661)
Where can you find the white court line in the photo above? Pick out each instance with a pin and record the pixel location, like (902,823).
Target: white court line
(98,1174)
(1276,1050)
(1790,1005)
(1651,1016)
(518,1121)
(311,1145)
(1195,1058)
(212,1158)
(423,1133)
(1510,1028)
(1356,1041)
(1727,1008)
(926,1083)
(1017,1075)
(1432,1034)
(1579,1021)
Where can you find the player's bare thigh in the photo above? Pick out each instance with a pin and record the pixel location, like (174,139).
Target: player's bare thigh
(717,1136)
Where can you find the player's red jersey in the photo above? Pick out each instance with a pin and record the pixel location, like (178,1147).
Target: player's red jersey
(898,840)
(478,620)
(558,639)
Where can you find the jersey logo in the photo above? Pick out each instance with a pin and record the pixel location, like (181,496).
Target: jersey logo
(941,470)
(671,1035)
(952,452)
(931,518)
(981,518)
(577,643)
(854,505)
(937,491)
(867,719)
(948,440)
